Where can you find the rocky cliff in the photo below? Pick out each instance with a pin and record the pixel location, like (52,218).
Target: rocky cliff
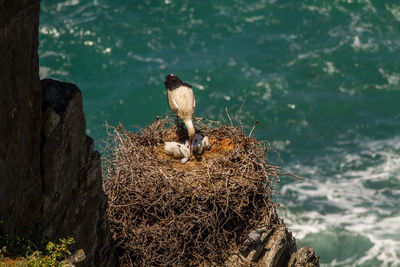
(50,176)
(20,116)
(274,247)
(73,203)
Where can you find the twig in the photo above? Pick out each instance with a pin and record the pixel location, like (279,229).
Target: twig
(229,117)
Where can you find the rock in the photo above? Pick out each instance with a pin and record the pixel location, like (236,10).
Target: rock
(304,257)
(65,156)
(254,244)
(20,117)
(278,249)
(73,201)
(273,247)
(76,257)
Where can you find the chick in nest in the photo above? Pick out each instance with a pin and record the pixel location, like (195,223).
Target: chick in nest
(178,150)
(200,143)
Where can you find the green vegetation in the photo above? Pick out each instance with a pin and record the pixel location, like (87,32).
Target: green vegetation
(23,252)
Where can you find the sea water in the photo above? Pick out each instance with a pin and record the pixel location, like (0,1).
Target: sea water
(321,78)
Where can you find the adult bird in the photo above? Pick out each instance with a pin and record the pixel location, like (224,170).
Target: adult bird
(182,103)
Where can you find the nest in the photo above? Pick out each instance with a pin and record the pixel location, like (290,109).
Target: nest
(165,213)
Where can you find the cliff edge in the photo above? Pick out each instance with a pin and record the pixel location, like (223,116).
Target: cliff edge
(50,176)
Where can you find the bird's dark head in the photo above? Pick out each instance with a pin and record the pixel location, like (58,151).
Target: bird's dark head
(172,82)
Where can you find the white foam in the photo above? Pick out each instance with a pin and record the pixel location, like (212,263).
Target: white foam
(198,86)
(50,30)
(268,92)
(395,10)
(324,10)
(330,68)
(359,207)
(254,18)
(146,59)
(62,5)
(368,46)
(46,72)
(393,79)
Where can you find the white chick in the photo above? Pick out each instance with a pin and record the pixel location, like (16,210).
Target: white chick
(177,150)
(199,144)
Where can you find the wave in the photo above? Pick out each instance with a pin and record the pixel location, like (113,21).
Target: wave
(363,200)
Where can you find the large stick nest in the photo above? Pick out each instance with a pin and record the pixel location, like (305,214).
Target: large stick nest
(165,213)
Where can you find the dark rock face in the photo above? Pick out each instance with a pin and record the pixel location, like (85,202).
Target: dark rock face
(20,116)
(50,177)
(73,201)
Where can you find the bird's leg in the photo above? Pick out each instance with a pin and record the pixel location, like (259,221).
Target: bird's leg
(190,147)
(177,127)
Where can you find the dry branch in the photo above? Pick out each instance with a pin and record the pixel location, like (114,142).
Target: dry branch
(164,213)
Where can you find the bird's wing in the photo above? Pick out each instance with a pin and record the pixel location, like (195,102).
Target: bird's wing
(172,102)
(192,95)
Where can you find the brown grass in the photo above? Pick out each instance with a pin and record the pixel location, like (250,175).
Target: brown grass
(165,213)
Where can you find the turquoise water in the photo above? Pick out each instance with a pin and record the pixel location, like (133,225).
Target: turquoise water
(322,78)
